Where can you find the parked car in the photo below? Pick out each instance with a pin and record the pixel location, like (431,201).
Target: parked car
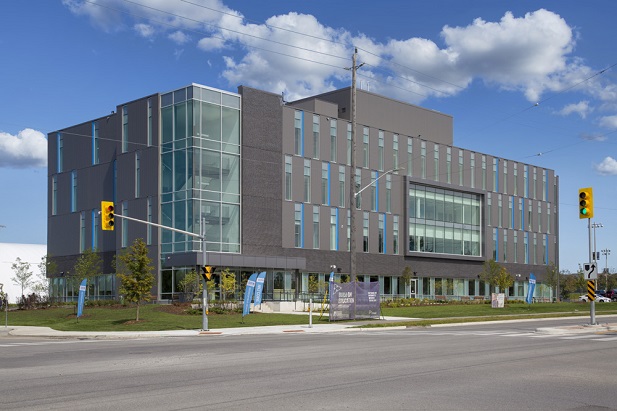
(599,299)
(612,294)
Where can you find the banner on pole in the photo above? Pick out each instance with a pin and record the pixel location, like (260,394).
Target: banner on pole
(259,287)
(248,294)
(350,301)
(82,297)
(530,290)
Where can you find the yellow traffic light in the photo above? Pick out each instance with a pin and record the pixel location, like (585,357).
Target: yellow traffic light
(107,215)
(585,201)
(208,270)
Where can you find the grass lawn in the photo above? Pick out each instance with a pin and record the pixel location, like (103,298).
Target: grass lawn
(166,317)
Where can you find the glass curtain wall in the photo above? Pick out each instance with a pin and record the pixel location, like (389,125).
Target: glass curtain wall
(200,163)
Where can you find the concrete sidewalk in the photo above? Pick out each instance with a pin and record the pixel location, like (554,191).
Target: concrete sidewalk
(46,332)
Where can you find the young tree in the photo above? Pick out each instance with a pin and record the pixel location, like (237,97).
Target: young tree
(406,278)
(135,274)
(191,283)
(552,277)
(41,284)
(490,272)
(88,265)
(228,283)
(23,275)
(503,280)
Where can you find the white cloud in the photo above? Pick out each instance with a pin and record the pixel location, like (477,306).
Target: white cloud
(144,30)
(608,166)
(27,149)
(179,37)
(581,108)
(608,122)
(594,137)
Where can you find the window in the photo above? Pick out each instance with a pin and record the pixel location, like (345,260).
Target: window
(348,231)
(382,234)
(349,144)
(515,165)
(149,122)
(333,229)
(499,211)
(521,212)
(358,186)
(299,133)
(395,152)
(529,208)
(137,174)
(325,183)
(298,217)
(333,140)
(505,176)
(54,195)
(95,229)
(489,211)
(316,227)
(436,162)
(515,246)
(395,235)
(307,181)
(449,165)
(505,246)
(495,178)
(388,193)
(95,142)
(82,231)
(495,245)
(483,172)
(365,245)
(365,147)
(125,128)
(472,170)
(288,178)
(149,229)
(341,186)
(423,158)
(511,212)
(535,183)
(380,144)
(535,249)
(545,248)
(374,191)
(548,218)
(125,225)
(73,191)
(526,244)
(410,157)
(539,217)
(315,136)
(60,152)
(544,185)
(526,181)
(460,167)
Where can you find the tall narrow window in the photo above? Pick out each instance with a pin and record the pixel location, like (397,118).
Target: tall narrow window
(73,191)
(472,170)
(325,183)
(535,183)
(358,186)
(515,246)
(307,181)
(410,156)
(365,245)
(299,133)
(460,168)
(489,211)
(298,234)
(125,129)
(526,181)
(548,218)
(545,248)
(315,136)
(95,142)
(499,211)
(515,166)
(544,186)
(96,227)
(526,245)
(539,217)
(395,235)
(125,224)
(388,193)
(374,191)
(495,178)
(149,122)
(288,178)
(505,176)
(505,246)
(333,140)
(436,162)
(535,248)
(82,231)
(511,212)
(316,227)
(495,245)
(365,146)
(349,144)
(348,231)
(395,152)
(333,229)
(149,229)
(137,174)
(54,195)
(529,213)
(423,158)
(382,234)
(341,186)
(483,172)
(60,152)
(380,147)
(449,165)
(522,213)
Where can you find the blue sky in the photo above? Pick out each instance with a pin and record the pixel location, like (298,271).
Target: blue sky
(531,81)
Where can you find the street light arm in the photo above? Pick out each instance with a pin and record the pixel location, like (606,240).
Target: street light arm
(374,181)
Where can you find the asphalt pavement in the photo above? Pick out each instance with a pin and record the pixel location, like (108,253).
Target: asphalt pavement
(46,332)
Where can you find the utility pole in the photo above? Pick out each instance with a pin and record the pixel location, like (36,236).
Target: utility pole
(352,171)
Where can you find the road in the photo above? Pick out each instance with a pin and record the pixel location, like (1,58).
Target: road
(503,366)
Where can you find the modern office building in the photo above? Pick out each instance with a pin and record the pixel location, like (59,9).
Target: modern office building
(270,180)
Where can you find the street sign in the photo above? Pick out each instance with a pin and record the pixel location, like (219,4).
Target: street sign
(591,290)
(591,273)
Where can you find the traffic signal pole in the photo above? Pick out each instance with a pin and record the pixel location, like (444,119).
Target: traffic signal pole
(202,237)
(592,307)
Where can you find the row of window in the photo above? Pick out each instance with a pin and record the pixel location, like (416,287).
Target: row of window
(514,216)
(529,184)
(531,253)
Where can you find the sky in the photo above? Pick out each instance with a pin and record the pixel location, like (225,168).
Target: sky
(529,81)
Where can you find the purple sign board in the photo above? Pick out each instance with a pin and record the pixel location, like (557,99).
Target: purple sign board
(351,301)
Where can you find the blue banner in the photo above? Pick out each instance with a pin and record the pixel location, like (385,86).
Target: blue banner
(248,294)
(532,287)
(259,287)
(82,297)
(330,284)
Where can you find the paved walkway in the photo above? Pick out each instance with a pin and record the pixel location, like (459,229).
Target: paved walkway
(27,331)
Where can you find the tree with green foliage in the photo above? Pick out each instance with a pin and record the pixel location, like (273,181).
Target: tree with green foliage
(88,265)
(406,278)
(503,280)
(227,284)
(41,284)
(23,275)
(191,284)
(551,277)
(135,274)
(490,272)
